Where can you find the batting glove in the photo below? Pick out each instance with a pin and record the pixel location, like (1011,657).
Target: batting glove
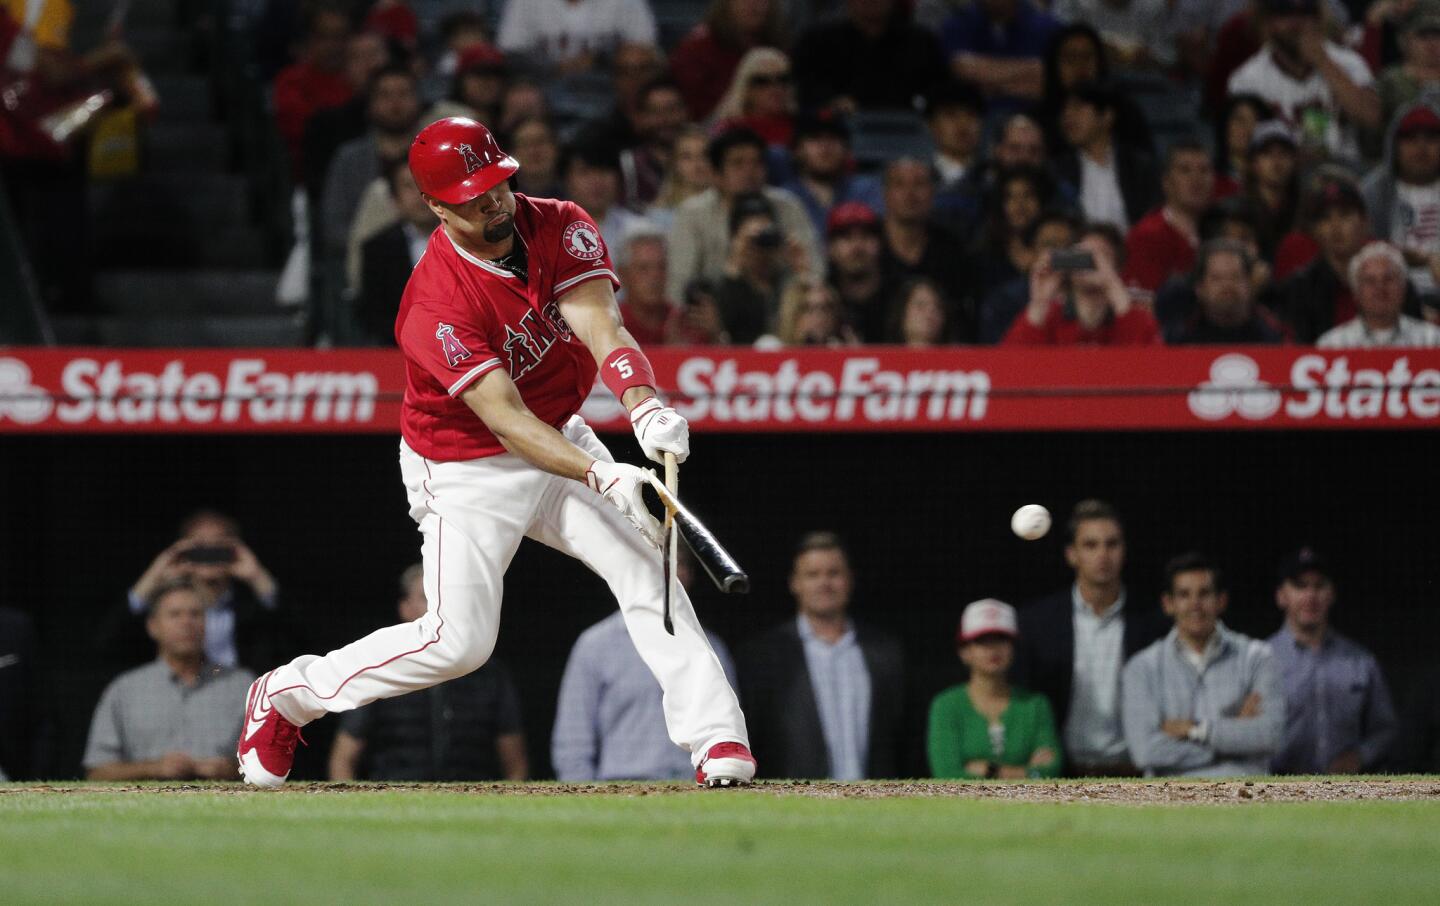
(620,483)
(660,430)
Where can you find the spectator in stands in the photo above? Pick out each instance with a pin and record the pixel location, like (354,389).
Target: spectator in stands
(534,145)
(1377,278)
(395,21)
(1055,229)
(998,44)
(243,618)
(1073,644)
(523,100)
(1234,130)
(824,693)
(955,116)
(388,257)
(1324,88)
(1004,252)
(1205,701)
(761,98)
(988,728)
(458,32)
(916,246)
(1226,313)
(1319,295)
(316,80)
(1163,243)
(1402,193)
(687,174)
(174,718)
(1020,143)
(609,721)
(466,729)
(632,68)
(810,315)
(572,36)
(919,315)
(1401,84)
(477,87)
(591,176)
(643,166)
(330,127)
(700,243)
(1139,34)
(1117,184)
(1272,183)
(822,163)
(392,109)
(1085,306)
(870,58)
(1339,718)
(761,262)
(704,61)
(1074,55)
(651,317)
(1232,219)
(1418,749)
(26,728)
(853,262)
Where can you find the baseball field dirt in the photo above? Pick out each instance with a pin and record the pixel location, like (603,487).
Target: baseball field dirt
(1310,841)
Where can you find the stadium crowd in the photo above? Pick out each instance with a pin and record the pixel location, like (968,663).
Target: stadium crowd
(918,172)
(1087,681)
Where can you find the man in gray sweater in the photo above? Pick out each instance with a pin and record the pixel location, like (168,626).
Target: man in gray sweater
(1204,701)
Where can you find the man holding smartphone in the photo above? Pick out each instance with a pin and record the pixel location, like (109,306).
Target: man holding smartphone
(1077,298)
(240,595)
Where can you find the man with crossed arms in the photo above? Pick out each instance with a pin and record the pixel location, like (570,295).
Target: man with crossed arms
(505,321)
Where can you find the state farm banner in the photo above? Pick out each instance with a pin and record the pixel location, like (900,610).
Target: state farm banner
(52,390)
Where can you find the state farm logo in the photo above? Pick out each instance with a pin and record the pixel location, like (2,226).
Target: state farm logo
(248,392)
(1319,387)
(1234,387)
(21,401)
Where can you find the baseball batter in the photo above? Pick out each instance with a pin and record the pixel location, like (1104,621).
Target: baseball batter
(504,323)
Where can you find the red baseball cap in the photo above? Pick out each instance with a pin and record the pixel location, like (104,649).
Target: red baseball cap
(851,214)
(482,56)
(1421,119)
(986,617)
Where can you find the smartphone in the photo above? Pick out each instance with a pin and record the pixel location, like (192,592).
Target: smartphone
(210,553)
(1072,260)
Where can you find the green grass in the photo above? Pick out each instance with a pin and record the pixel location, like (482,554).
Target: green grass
(408,847)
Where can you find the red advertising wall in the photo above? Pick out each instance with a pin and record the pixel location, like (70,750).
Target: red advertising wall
(60,390)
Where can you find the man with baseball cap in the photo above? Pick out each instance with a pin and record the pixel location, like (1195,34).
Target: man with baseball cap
(853,245)
(986,727)
(1318,296)
(1322,87)
(1339,716)
(1402,193)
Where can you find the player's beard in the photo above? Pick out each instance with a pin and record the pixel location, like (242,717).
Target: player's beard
(499,232)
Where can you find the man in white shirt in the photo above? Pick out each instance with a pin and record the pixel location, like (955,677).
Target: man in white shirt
(1118,184)
(1377,277)
(571,34)
(1323,88)
(1402,193)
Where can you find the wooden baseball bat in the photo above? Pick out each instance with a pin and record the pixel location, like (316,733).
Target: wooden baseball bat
(722,568)
(672,541)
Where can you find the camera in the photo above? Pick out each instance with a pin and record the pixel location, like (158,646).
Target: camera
(768,238)
(209,554)
(1072,260)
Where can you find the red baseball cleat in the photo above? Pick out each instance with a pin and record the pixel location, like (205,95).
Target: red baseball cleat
(267,743)
(726,764)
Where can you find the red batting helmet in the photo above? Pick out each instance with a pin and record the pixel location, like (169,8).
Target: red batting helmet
(457,159)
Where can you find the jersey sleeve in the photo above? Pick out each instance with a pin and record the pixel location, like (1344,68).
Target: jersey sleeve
(583,255)
(449,346)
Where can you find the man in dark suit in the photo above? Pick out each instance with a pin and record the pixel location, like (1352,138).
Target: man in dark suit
(1074,643)
(244,624)
(824,694)
(388,257)
(1117,183)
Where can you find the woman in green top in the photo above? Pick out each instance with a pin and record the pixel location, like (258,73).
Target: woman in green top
(987,728)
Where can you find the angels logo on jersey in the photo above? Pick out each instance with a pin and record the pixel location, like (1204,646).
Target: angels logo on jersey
(524,348)
(472,160)
(455,351)
(583,241)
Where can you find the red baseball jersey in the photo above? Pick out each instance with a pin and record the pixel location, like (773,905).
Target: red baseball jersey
(462,317)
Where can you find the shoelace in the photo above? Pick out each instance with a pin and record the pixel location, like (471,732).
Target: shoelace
(286,735)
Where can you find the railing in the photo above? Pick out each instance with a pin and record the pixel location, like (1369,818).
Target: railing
(22,317)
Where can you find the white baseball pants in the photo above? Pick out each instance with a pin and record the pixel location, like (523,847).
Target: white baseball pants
(472,515)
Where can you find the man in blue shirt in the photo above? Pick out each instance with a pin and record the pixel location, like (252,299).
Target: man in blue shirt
(998,45)
(1339,718)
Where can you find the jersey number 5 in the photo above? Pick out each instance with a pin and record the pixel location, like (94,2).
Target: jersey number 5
(622,365)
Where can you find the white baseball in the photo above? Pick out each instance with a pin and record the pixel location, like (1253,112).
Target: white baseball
(1030,522)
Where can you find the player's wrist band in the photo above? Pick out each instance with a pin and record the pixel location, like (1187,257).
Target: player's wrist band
(624,368)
